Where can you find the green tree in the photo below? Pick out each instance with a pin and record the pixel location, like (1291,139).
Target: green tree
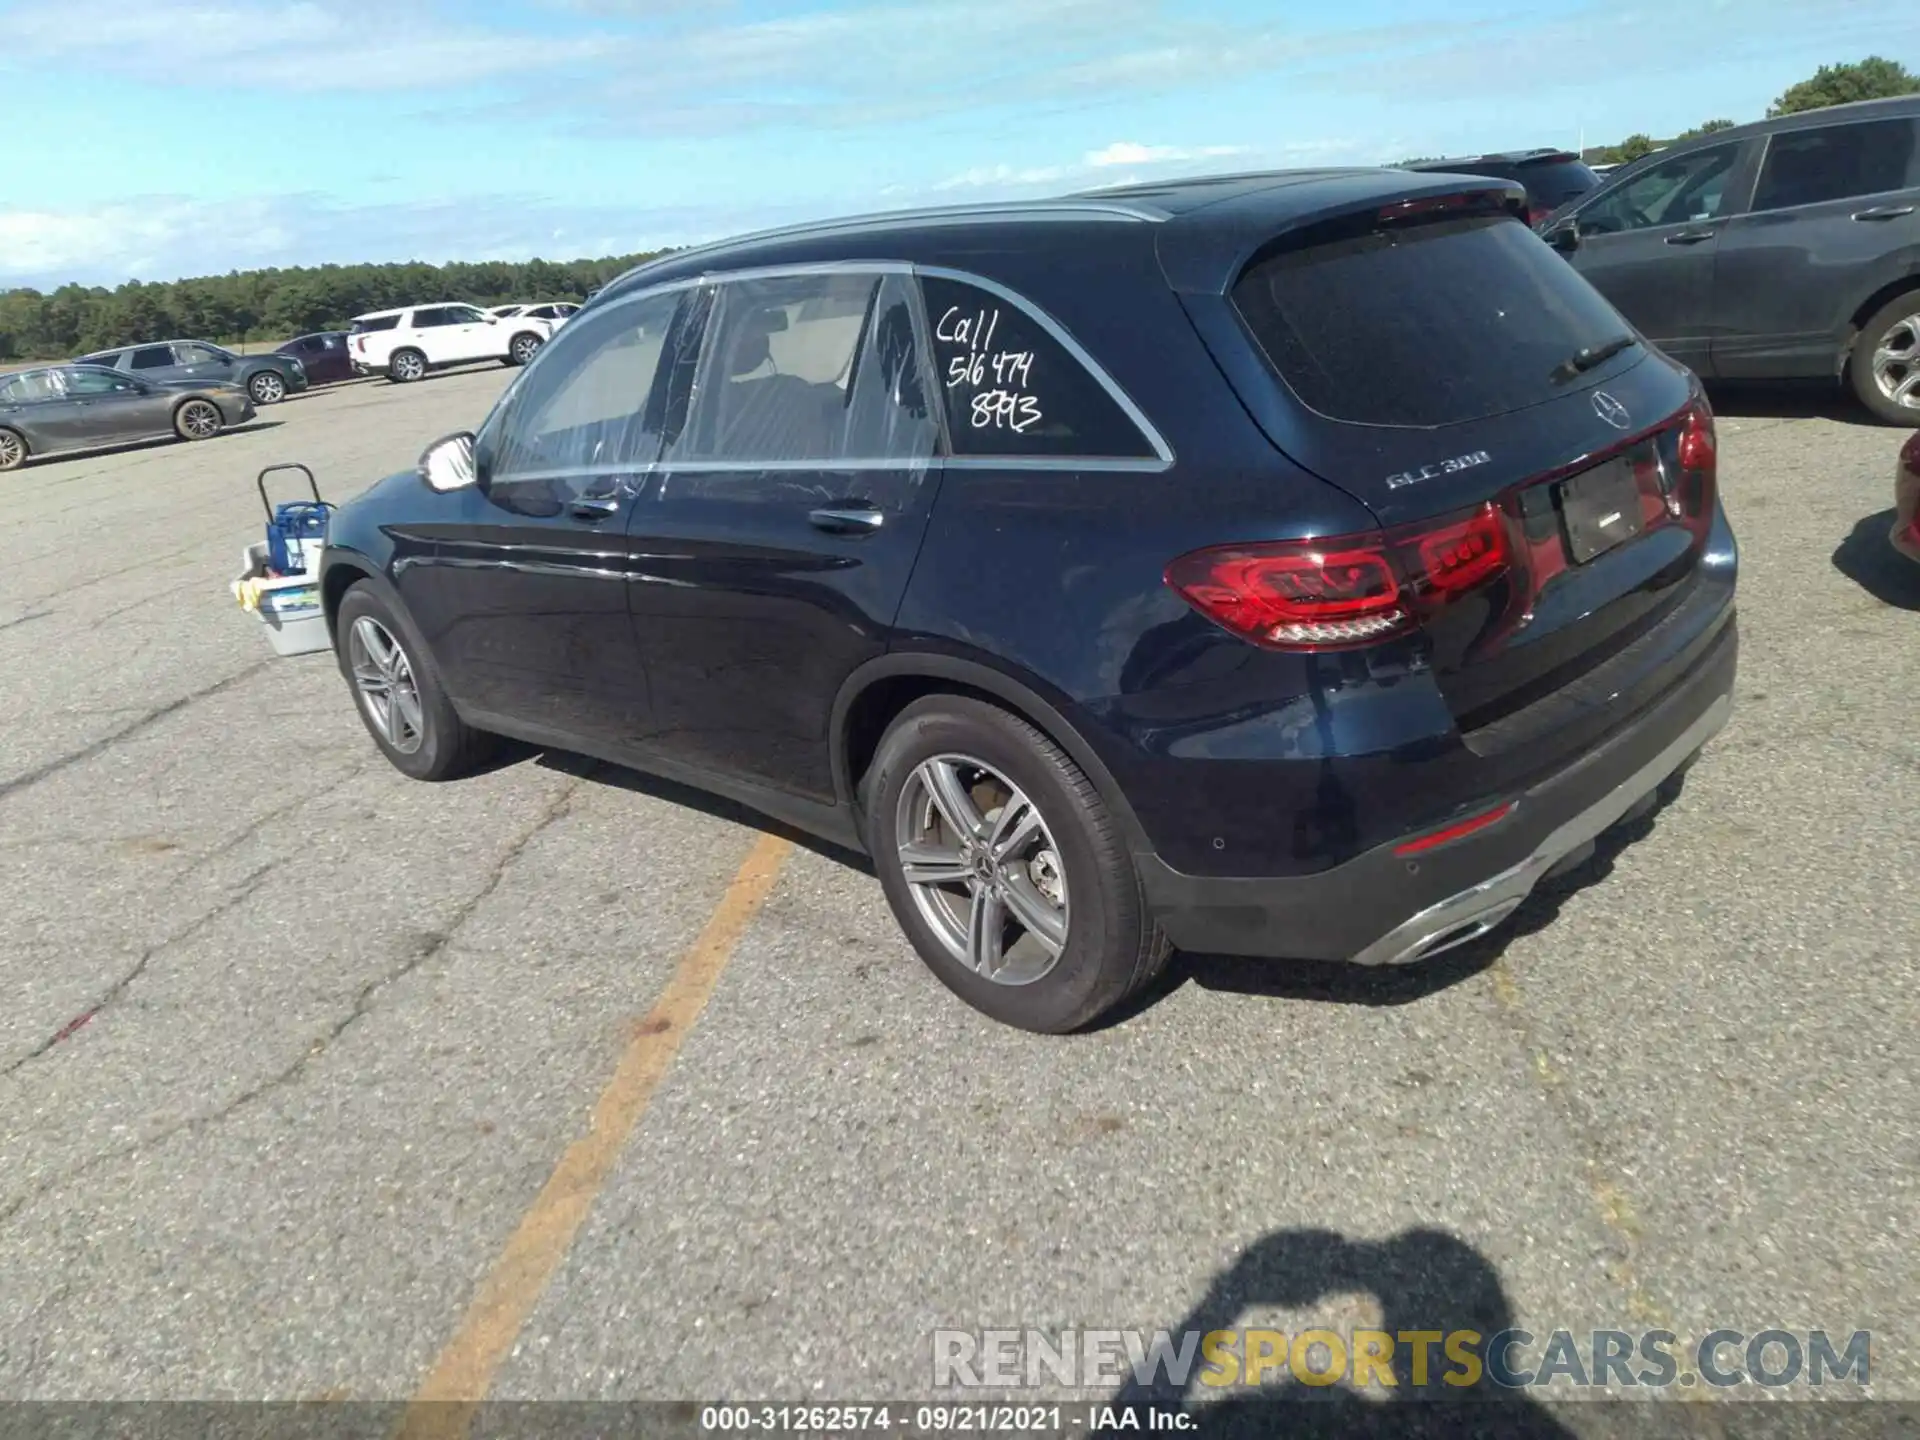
(1874,78)
(1711,127)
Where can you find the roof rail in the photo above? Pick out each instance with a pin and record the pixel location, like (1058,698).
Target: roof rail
(1076,207)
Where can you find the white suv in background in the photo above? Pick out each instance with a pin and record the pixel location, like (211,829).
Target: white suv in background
(406,344)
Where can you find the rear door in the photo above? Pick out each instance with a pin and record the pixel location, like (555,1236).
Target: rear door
(1649,244)
(771,556)
(1835,215)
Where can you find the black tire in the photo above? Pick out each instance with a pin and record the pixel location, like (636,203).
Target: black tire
(1113,945)
(523,347)
(267,388)
(198,420)
(1893,319)
(448,747)
(406,365)
(13,449)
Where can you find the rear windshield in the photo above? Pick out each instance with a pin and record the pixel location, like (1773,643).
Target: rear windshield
(1436,323)
(378,322)
(1553,185)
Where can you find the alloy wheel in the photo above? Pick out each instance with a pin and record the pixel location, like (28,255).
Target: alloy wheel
(409,367)
(524,349)
(12,452)
(1896,363)
(383,679)
(199,419)
(268,389)
(983,869)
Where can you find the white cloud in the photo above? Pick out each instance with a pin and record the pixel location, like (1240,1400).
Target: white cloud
(1125,152)
(305,45)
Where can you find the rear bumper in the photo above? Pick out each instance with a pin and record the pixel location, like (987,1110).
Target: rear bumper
(1380,908)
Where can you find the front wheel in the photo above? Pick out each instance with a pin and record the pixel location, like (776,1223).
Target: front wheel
(523,348)
(267,388)
(198,420)
(1005,868)
(398,692)
(1886,361)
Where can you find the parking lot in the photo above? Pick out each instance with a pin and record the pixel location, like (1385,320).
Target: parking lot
(562,1082)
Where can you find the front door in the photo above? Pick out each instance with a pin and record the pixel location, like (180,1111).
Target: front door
(204,365)
(1649,245)
(772,554)
(1834,205)
(523,599)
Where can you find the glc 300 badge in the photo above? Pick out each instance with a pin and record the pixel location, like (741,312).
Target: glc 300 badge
(1439,467)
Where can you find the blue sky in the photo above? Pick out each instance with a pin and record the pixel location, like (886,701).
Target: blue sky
(195,136)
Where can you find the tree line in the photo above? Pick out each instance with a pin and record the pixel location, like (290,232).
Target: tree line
(249,305)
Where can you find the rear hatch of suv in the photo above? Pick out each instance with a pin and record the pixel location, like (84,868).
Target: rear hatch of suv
(1544,482)
(1553,179)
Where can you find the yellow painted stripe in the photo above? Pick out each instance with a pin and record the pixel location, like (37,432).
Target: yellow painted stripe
(443,1407)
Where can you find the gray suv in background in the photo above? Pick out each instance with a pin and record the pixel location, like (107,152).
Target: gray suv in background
(1785,249)
(267,379)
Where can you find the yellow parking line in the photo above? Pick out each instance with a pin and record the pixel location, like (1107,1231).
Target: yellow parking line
(443,1407)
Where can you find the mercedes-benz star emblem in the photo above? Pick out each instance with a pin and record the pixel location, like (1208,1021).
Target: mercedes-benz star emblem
(1611,410)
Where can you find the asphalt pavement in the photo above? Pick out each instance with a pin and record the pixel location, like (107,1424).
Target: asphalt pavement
(560,1082)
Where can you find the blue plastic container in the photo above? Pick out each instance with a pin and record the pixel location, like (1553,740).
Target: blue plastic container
(296,529)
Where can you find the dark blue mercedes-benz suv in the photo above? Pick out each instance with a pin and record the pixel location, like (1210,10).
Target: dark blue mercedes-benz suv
(1295,565)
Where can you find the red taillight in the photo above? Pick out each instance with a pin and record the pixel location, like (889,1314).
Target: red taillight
(1458,831)
(1699,451)
(1314,595)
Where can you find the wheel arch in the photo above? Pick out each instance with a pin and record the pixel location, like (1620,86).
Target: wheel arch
(343,570)
(1906,283)
(878,691)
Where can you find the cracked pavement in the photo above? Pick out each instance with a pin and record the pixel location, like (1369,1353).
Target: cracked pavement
(293,1042)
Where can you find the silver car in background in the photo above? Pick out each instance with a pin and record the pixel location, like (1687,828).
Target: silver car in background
(84,407)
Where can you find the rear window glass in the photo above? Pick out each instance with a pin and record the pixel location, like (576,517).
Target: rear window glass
(1551,186)
(377,322)
(1427,324)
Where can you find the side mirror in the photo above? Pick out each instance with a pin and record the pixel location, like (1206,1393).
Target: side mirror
(1565,237)
(448,463)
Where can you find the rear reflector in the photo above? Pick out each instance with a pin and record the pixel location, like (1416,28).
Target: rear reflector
(1314,595)
(1457,831)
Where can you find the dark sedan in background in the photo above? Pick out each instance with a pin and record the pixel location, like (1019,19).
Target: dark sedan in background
(267,379)
(323,355)
(84,407)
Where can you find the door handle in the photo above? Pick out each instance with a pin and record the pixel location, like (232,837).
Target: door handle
(1883,212)
(593,507)
(1690,237)
(853,520)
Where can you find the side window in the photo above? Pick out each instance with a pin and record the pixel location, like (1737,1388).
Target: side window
(1013,389)
(90,382)
(590,401)
(432,318)
(1689,189)
(466,315)
(152,357)
(29,386)
(196,355)
(776,374)
(1835,162)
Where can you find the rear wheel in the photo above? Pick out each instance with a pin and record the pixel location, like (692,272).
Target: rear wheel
(406,366)
(1886,361)
(523,348)
(13,449)
(1005,867)
(267,388)
(198,420)
(398,692)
